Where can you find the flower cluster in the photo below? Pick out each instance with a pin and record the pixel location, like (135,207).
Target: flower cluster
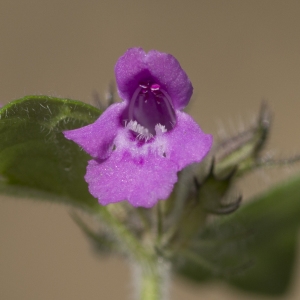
(139,144)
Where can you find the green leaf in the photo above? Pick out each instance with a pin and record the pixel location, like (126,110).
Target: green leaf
(35,158)
(254,248)
(272,265)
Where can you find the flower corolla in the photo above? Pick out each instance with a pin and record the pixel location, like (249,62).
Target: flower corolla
(139,144)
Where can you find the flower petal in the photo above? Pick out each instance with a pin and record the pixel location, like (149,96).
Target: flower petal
(167,71)
(97,138)
(142,181)
(130,70)
(135,66)
(187,143)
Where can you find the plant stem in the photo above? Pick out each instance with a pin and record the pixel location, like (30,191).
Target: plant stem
(132,244)
(153,279)
(153,270)
(159,221)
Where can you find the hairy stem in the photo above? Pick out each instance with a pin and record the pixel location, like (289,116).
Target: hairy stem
(152,279)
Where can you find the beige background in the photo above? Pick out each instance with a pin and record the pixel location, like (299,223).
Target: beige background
(236,54)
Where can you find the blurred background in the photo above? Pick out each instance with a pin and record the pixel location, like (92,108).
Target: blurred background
(236,53)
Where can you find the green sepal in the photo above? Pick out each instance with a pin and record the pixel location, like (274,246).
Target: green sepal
(241,152)
(35,158)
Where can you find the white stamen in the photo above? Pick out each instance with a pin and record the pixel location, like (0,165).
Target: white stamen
(160,129)
(143,133)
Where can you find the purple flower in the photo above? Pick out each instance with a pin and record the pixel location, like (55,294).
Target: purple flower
(140,144)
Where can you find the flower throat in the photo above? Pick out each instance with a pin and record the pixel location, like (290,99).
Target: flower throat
(150,111)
